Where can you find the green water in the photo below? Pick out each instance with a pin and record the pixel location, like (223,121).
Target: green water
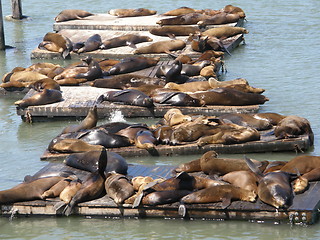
(281,55)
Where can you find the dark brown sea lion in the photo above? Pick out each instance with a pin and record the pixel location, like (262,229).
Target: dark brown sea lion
(91,44)
(220,18)
(71,14)
(131,131)
(145,139)
(293,126)
(127,96)
(118,187)
(274,188)
(174,31)
(246,120)
(165,46)
(176,99)
(92,187)
(179,11)
(210,164)
(243,179)
(125,81)
(227,96)
(89,122)
(41,98)
(222,193)
(46,83)
(224,32)
(94,69)
(28,191)
(137,12)
(132,64)
(185,19)
(124,40)
(164,197)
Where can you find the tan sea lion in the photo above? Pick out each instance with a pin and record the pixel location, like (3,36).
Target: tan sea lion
(71,81)
(220,18)
(168,31)
(210,164)
(243,179)
(69,191)
(163,134)
(273,118)
(179,11)
(235,10)
(72,146)
(131,131)
(124,40)
(25,77)
(71,14)
(189,86)
(136,12)
(46,83)
(174,116)
(165,46)
(89,122)
(246,120)
(41,98)
(189,167)
(56,189)
(145,139)
(225,32)
(118,187)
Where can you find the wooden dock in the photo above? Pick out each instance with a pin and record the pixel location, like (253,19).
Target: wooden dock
(108,26)
(304,209)
(78,100)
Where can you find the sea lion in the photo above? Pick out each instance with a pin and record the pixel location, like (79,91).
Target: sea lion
(220,18)
(89,122)
(127,96)
(165,46)
(274,188)
(92,187)
(46,83)
(147,88)
(56,42)
(91,44)
(227,96)
(246,120)
(88,161)
(210,164)
(132,64)
(94,69)
(68,192)
(189,167)
(164,197)
(163,134)
(243,179)
(221,193)
(118,187)
(179,11)
(137,12)
(131,131)
(56,189)
(47,96)
(224,32)
(185,19)
(28,191)
(124,40)
(273,118)
(176,99)
(25,77)
(174,116)
(72,146)
(145,139)
(189,86)
(235,10)
(125,81)
(293,126)
(71,14)
(171,31)
(71,81)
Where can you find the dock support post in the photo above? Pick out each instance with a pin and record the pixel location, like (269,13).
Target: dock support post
(16,9)
(2,42)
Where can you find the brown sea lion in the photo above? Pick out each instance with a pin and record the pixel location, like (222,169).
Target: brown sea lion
(189,167)
(89,122)
(274,188)
(25,77)
(174,116)
(131,131)
(68,192)
(47,96)
(179,11)
(56,189)
(137,12)
(94,69)
(161,47)
(176,99)
(228,96)
(189,86)
(132,64)
(185,19)
(71,81)
(293,126)
(124,40)
(118,187)
(235,10)
(220,18)
(222,193)
(127,96)
(225,32)
(28,191)
(168,31)
(245,120)
(92,187)
(243,179)
(69,145)
(273,118)
(125,81)
(164,197)
(163,134)
(145,139)
(91,44)
(46,83)
(210,164)
(71,14)
(147,88)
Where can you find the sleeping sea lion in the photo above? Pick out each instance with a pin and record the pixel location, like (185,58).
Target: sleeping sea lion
(124,40)
(137,12)
(41,98)
(91,44)
(225,32)
(94,69)
(168,31)
(71,14)
(161,47)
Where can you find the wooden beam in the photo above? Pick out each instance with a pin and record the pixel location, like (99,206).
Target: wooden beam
(2,42)
(16,9)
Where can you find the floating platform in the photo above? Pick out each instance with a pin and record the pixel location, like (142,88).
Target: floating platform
(304,209)
(78,100)
(109,26)
(267,143)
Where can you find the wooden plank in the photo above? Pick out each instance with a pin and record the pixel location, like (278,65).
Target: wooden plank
(238,210)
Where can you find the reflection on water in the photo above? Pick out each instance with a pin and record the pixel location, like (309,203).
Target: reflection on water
(279,56)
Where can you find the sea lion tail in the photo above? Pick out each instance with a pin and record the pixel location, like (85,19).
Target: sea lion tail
(182,210)
(252,166)
(68,209)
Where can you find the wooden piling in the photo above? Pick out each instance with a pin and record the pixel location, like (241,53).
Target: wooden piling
(16,9)
(2,42)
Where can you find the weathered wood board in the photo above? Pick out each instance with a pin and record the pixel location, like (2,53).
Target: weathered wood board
(304,209)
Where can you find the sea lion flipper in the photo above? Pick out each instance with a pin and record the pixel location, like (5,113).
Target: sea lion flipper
(171,36)
(131,44)
(138,199)
(59,205)
(226,201)
(252,166)
(182,210)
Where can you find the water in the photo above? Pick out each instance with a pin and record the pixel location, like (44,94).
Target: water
(280,55)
